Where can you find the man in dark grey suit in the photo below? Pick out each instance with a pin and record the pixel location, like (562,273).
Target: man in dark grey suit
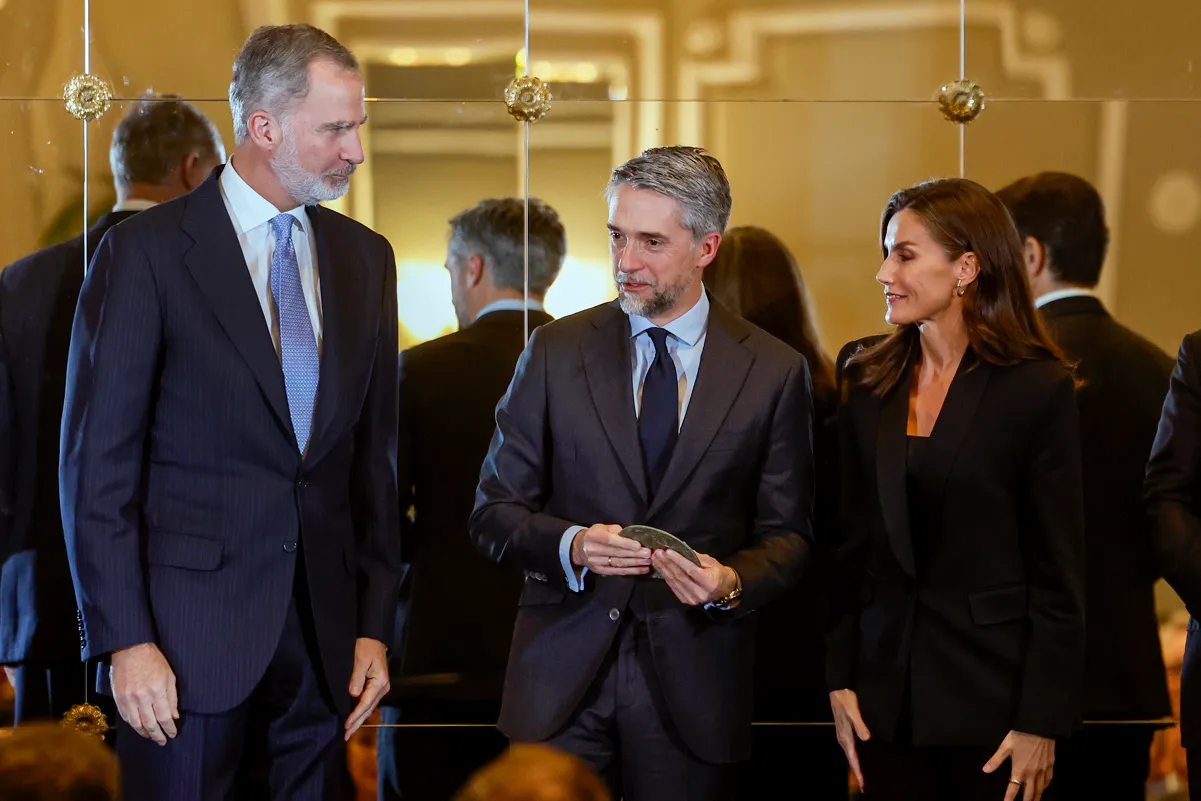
(663,409)
(161,149)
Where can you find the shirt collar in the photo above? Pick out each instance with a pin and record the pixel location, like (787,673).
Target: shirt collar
(250,209)
(134,204)
(687,328)
(1060,294)
(510,304)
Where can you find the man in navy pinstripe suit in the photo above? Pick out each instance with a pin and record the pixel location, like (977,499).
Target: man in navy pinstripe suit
(228,460)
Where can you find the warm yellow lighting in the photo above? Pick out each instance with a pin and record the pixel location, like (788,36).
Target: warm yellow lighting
(520,61)
(403,56)
(586,72)
(618,92)
(423,299)
(580,285)
(457,56)
(542,68)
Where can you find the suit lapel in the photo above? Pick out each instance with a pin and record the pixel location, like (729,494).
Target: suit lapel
(606,355)
(954,422)
(724,366)
(217,265)
(891,458)
(341,289)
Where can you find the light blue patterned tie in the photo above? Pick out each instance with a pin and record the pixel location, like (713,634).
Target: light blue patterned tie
(297,343)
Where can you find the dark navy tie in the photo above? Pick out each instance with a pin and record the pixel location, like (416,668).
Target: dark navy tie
(658,422)
(297,344)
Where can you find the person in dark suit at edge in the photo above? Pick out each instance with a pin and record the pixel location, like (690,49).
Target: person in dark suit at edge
(162,148)
(448,662)
(1061,220)
(661,408)
(1172,505)
(228,458)
(757,277)
(956,643)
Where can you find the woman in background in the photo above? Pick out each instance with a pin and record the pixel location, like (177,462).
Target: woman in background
(756,277)
(957,640)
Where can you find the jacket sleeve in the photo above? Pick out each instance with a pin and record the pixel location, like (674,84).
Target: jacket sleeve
(112,372)
(1053,549)
(1172,499)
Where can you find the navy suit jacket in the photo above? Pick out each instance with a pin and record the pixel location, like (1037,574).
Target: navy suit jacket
(187,507)
(37,303)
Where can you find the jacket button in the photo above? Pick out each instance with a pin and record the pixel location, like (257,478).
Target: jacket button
(290,547)
(614,614)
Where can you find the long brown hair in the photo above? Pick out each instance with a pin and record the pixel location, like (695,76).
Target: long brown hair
(755,276)
(1002,325)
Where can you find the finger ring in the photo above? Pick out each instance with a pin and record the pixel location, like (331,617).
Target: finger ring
(1018,782)
(610,561)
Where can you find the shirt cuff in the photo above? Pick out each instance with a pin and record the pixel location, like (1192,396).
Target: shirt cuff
(575,582)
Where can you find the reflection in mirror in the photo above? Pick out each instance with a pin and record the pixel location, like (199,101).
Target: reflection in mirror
(697,50)
(814,174)
(1142,159)
(41,153)
(41,46)
(1013,45)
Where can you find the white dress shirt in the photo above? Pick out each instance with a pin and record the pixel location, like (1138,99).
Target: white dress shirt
(1060,294)
(134,204)
(510,304)
(685,346)
(251,214)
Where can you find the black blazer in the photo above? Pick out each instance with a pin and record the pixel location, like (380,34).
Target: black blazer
(458,607)
(1125,380)
(739,487)
(188,509)
(37,302)
(1173,506)
(988,629)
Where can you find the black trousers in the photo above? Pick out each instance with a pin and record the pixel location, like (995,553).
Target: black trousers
(804,763)
(284,743)
(624,730)
(431,763)
(1105,761)
(899,772)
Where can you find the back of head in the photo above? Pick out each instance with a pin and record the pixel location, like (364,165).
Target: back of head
(272,70)
(46,762)
(530,772)
(1066,215)
(495,230)
(156,136)
(688,175)
(755,276)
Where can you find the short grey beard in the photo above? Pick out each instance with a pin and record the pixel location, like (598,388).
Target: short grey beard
(305,188)
(660,301)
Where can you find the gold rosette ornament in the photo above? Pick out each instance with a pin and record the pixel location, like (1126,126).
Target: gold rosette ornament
(961,101)
(528,98)
(86,719)
(87,97)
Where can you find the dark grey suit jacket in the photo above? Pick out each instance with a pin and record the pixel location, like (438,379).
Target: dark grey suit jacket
(739,488)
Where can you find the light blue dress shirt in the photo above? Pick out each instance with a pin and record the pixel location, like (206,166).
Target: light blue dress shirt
(685,346)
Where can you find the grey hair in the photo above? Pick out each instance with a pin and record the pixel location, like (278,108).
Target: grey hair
(688,175)
(272,71)
(495,229)
(156,135)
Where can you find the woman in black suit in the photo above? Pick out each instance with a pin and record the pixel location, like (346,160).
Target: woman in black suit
(957,630)
(755,276)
